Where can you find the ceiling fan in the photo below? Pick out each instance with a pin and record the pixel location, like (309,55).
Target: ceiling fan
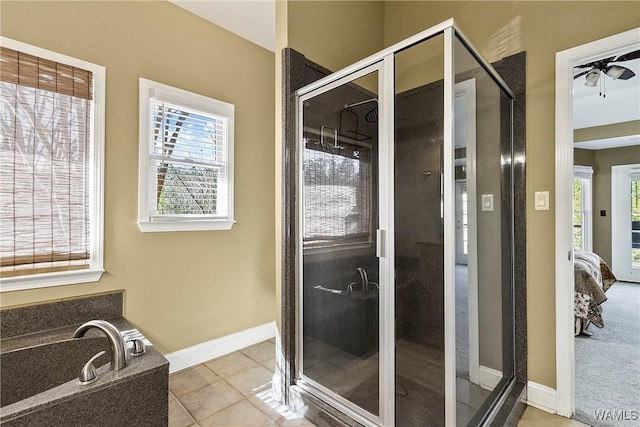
(596,68)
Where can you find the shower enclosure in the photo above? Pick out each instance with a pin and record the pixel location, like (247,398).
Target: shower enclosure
(403,236)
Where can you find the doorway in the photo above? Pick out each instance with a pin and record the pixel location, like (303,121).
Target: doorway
(625,215)
(565,321)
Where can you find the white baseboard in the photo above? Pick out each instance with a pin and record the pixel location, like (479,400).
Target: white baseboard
(191,356)
(542,397)
(488,377)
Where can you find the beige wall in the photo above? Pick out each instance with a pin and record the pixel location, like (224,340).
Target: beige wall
(337,33)
(181,288)
(604,159)
(583,157)
(497,29)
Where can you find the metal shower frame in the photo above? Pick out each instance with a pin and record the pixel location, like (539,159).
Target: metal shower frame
(383,63)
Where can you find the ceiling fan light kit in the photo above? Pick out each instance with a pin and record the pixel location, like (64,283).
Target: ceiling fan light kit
(615,71)
(601,66)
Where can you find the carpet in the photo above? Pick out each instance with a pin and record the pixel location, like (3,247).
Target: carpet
(607,364)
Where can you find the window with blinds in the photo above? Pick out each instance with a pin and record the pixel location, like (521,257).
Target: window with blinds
(47,163)
(337,193)
(186,151)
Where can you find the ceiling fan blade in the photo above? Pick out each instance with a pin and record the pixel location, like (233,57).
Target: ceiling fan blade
(581,74)
(626,74)
(628,56)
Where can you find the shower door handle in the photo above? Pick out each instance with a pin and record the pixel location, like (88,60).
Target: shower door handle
(379,243)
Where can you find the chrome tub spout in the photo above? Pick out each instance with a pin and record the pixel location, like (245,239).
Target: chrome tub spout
(364,280)
(116,342)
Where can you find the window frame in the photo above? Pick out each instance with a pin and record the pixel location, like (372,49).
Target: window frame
(96,180)
(585,174)
(149,89)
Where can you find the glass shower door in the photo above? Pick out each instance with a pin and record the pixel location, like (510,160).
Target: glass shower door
(338,281)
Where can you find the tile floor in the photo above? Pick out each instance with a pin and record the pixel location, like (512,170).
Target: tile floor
(232,390)
(533,417)
(235,391)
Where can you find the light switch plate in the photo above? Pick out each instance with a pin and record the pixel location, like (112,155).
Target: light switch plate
(542,201)
(487,202)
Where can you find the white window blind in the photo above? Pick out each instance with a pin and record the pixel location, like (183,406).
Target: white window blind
(188,162)
(337,193)
(45,119)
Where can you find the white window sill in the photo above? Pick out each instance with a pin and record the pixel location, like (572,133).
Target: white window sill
(44,280)
(192,225)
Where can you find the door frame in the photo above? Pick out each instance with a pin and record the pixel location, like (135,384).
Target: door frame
(467,88)
(565,61)
(619,233)
(386,364)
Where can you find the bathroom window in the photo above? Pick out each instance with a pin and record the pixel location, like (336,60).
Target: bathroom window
(337,193)
(51,168)
(186,160)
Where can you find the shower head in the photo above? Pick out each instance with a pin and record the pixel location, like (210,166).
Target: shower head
(372,116)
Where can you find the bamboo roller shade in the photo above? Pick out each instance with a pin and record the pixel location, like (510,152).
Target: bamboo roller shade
(32,71)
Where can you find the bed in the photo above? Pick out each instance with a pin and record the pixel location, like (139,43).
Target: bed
(593,278)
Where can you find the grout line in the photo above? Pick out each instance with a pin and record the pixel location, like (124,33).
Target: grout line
(184,409)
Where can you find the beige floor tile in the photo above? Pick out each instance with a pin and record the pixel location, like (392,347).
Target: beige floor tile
(464,414)
(178,416)
(295,422)
(470,394)
(319,348)
(261,352)
(252,380)
(533,417)
(186,381)
(268,406)
(328,375)
(230,364)
(270,364)
(241,414)
(207,401)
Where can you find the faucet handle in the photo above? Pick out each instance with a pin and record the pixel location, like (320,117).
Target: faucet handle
(138,347)
(88,372)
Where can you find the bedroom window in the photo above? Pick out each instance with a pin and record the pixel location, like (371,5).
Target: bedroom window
(51,168)
(186,160)
(582,218)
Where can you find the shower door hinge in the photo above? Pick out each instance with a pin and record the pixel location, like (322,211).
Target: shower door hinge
(379,243)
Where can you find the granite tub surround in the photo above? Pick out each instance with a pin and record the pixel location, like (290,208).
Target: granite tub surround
(40,369)
(30,319)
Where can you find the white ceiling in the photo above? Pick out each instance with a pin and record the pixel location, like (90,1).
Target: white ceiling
(254,20)
(621,104)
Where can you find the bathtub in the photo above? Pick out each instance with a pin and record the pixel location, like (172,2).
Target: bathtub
(39,380)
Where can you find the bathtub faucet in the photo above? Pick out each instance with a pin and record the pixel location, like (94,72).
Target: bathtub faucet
(116,342)
(364,280)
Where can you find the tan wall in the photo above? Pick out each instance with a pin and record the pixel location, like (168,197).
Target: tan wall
(497,29)
(337,33)
(182,288)
(604,159)
(584,157)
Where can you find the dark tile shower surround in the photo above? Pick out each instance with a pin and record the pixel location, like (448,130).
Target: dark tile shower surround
(40,364)
(410,273)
